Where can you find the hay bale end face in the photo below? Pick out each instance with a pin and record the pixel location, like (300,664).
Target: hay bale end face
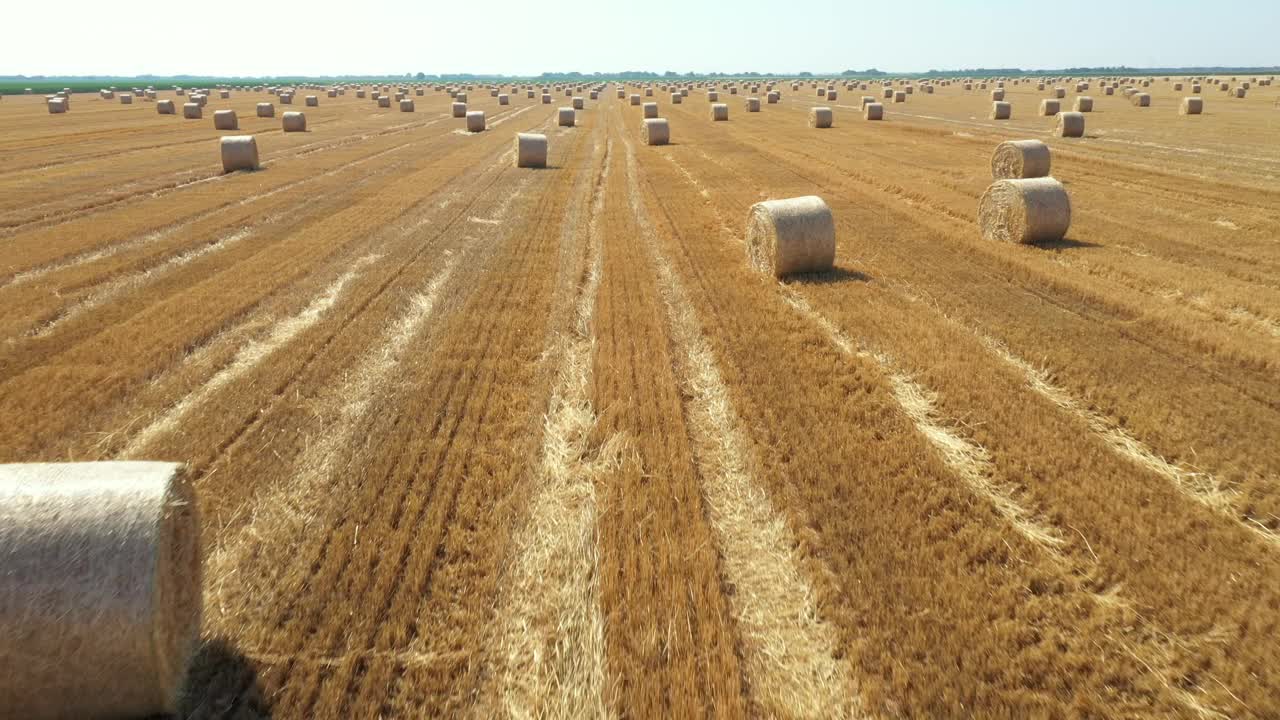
(797,235)
(1025,211)
(1191,106)
(239,152)
(566,117)
(1020,159)
(821,117)
(294,122)
(475,121)
(676,98)
(101,584)
(655,131)
(225,120)
(531,150)
(1070,125)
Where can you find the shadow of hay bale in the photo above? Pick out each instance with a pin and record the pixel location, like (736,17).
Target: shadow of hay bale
(833,276)
(222,683)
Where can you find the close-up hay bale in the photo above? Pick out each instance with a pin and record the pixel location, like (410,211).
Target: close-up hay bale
(1025,211)
(1140,100)
(531,150)
(873,111)
(192,111)
(266,110)
(1070,125)
(1001,110)
(459,109)
(719,112)
(1083,104)
(294,122)
(225,120)
(100,594)
(1049,108)
(1020,159)
(406,105)
(753,104)
(650,110)
(475,121)
(796,235)
(313,101)
(655,131)
(565,117)
(821,117)
(239,152)
(164,107)
(1191,106)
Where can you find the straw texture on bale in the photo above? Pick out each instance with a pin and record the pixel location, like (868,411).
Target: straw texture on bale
(192,111)
(406,105)
(650,110)
(531,150)
(579,103)
(294,122)
(655,131)
(1070,124)
(1191,106)
(1049,108)
(795,235)
(1025,211)
(266,110)
(225,120)
(753,104)
(566,117)
(873,111)
(384,101)
(1001,110)
(820,117)
(1083,104)
(239,152)
(719,112)
(1020,159)
(713,96)
(100,598)
(475,121)
(164,107)
(459,109)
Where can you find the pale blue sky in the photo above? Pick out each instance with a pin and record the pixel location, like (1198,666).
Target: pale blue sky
(318,37)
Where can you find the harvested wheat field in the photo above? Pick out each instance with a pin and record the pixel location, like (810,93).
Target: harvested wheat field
(473,435)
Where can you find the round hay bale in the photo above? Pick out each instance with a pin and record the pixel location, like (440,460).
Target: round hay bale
(566,117)
(796,235)
(1025,211)
(126,99)
(531,150)
(1083,104)
(225,120)
(1070,124)
(239,152)
(192,111)
(997,95)
(655,131)
(1001,110)
(753,104)
(504,99)
(313,101)
(57,105)
(650,110)
(1191,106)
(773,97)
(475,121)
(579,103)
(1140,100)
(676,98)
(1196,88)
(266,110)
(873,111)
(384,101)
(1019,159)
(164,107)
(406,105)
(1049,108)
(888,93)
(713,96)
(1239,92)
(1059,93)
(294,122)
(832,95)
(1109,90)
(622,93)
(459,109)
(224,94)
(635,99)
(899,96)
(822,92)
(719,112)
(821,117)
(101,589)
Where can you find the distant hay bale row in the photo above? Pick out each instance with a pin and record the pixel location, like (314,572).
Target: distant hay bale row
(1025,211)
(796,235)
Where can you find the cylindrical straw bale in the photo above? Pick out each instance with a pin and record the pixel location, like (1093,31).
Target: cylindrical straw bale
(753,104)
(622,93)
(406,105)
(650,109)
(1177,87)
(1239,92)
(773,97)
(1083,104)
(225,120)
(1001,110)
(579,103)
(546,98)
(224,94)
(1049,108)
(655,131)
(821,117)
(384,101)
(635,99)
(712,96)
(1059,92)
(126,99)
(192,111)
(899,96)
(997,95)
(475,121)
(266,110)
(566,117)
(873,111)
(294,122)
(531,150)
(888,93)
(1070,125)
(164,107)
(719,112)
(57,105)
(459,109)
(1019,159)
(504,99)
(239,152)
(1140,100)
(1191,106)
(313,101)
(1025,211)
(676,98)
(796,235)
(100,597)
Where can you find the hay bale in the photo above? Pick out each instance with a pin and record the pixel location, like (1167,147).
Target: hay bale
(475,121)
(566,117)
(101,589)
(712,96)
(1239,92)
(1059,93)
(650,110)
(225,120)
(1001,110)
(1024,211)
(1191,106)
(1140,100)
(655,131)
(676,98)
(888,93)
(459,109)
(1049,108)
(899,96)
(266,110)
(622,93)
(57,105)
(1070,124)
(294,122)
(579,103)
(796,235)
(531,150)
(1020,159)
(753,104)
(192,111)
(1083,104)
(997,95)
(126,99)
(821,117)
(313,101)
(406,105)
(239,152)
(773,97)
(384,101)
(873,111)
(164,107)
(719,112)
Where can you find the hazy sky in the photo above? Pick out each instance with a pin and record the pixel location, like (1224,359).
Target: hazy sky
(163,37)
